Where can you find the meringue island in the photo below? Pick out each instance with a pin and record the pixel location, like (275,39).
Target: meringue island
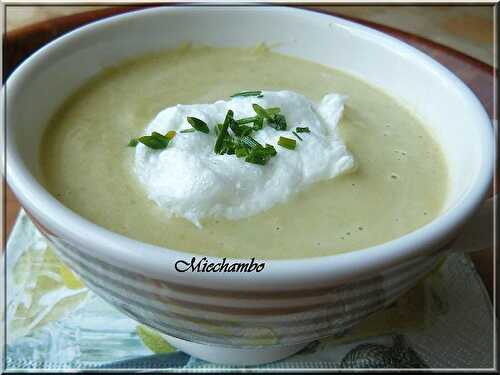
(242,153)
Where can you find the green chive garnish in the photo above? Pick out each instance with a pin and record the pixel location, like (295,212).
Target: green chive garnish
(238,141)
(271,150)
(250,142)
(239,130)
(233,125)
(261,111)
(160,137)
(260,155)
(256,93)
(302,130)
(155,141)
(241,152)
(198,124)
(229,146)
(287,143)
(254,158)
(258,124)
(273,110)
(217,129)
(247,120)
(133,142)
(298,136)
(272,115)
(245,130)
(219,143)
(278,122)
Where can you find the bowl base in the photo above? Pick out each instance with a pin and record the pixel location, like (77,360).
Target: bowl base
(232,356)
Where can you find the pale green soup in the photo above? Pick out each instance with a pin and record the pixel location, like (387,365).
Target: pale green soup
(399,186)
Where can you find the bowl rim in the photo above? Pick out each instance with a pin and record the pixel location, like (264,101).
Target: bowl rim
(153,261)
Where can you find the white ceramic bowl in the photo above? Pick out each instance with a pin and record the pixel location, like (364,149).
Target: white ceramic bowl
(291,302)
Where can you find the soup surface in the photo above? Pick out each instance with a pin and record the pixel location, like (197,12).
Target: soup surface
(399,185)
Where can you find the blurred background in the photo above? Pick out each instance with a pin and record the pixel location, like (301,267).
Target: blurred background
(468,29)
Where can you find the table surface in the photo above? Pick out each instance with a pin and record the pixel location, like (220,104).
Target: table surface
(468,29)
(19,43)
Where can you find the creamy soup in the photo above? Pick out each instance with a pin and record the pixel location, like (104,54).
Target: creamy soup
(399,184)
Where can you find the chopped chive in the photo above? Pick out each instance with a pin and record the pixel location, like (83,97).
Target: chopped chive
(287,143)
(256,93)
(247,120)
(171,134)
(198,124)
(161,138)
(256,159)
(260,155)
(278,122)
(302,130)
(261,111)
(158,136)
(298,136)
(217,129)
(245,130)
(229,146)
(190,130)
(133,142)
(219,143)
(250,142)
(239,130)
(241,152)
(233,125)
(270,149)
(258,124)
(153,141)
(276,119)
(273,110)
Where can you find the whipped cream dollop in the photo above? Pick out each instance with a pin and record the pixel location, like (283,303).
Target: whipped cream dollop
(188,179)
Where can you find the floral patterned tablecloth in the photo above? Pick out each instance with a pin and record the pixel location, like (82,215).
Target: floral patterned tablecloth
(54,322)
